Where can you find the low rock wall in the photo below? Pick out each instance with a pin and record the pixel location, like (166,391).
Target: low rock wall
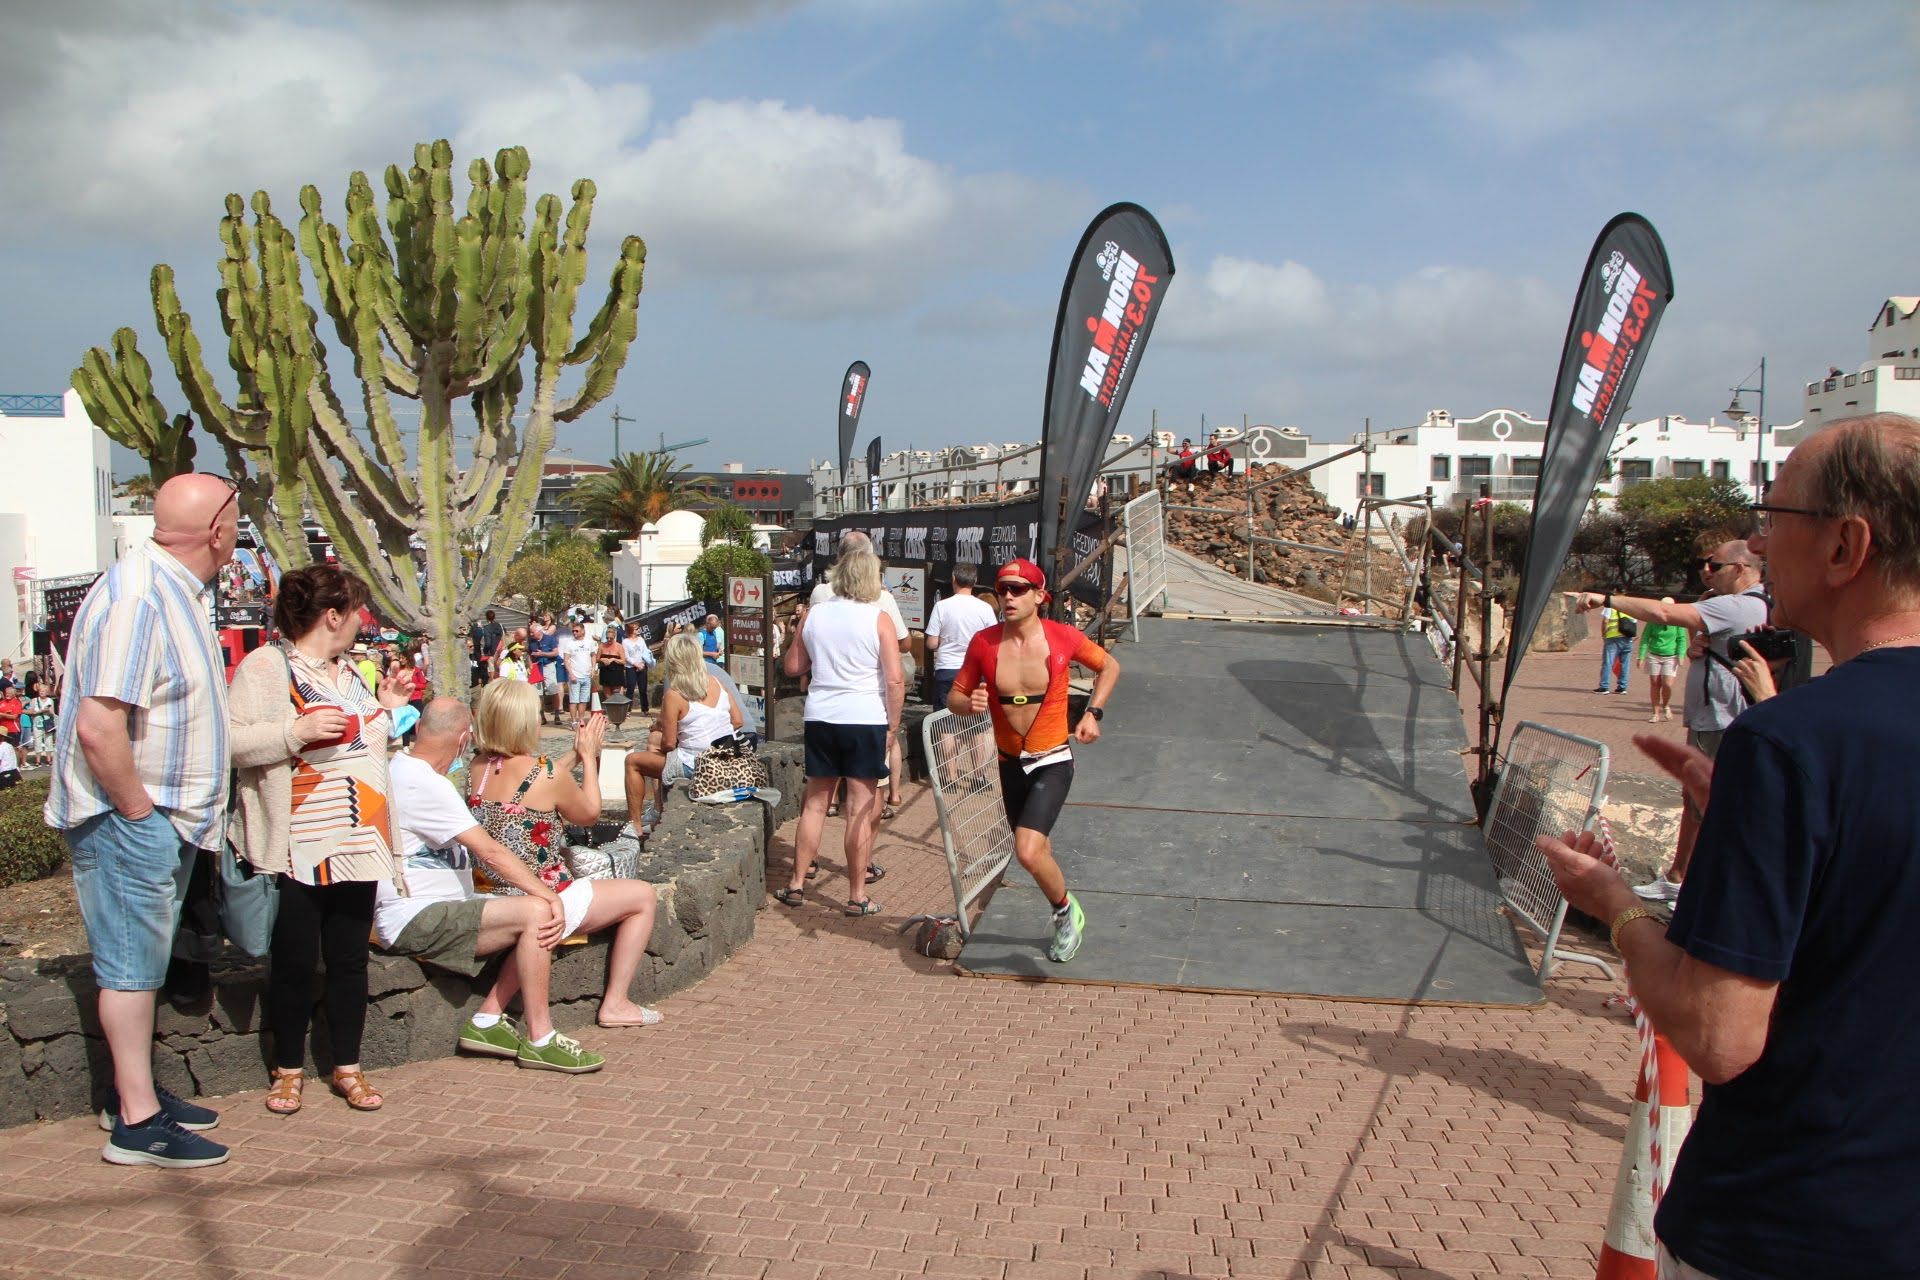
(709,863)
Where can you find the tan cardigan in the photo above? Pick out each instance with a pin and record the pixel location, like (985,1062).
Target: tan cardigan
(261,720)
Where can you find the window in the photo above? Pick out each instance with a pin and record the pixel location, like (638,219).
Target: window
(1369,484)
(1757,473)
(1723,470)
(1688,470)
(1475,469)
(1903,373)
(1526,467)
(1442,467)
(1635,470)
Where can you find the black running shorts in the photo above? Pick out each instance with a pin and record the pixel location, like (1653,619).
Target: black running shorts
(1034,799)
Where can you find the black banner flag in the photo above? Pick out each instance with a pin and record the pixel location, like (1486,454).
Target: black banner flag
(1107,307)
(873,474)
(1623,294)
(853,394)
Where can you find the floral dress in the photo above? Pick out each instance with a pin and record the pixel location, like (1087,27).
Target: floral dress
(536,836)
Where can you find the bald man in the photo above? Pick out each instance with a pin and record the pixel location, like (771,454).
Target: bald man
(140,787)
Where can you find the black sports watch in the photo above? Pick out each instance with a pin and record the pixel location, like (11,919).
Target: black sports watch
(1098,713)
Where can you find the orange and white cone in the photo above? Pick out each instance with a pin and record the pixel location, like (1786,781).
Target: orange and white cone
(1661,1118)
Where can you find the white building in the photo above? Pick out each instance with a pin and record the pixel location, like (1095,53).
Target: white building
(651,570)
(1501,447)
(56,499)
(1889,381)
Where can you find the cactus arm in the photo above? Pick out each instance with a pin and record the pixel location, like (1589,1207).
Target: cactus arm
(116,388)
(617,324)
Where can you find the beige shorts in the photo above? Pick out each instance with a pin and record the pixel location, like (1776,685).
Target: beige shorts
(1668,667)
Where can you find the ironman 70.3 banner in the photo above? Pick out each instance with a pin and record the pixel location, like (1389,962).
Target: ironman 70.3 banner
(1107,308)
(1624,292)
(853,394)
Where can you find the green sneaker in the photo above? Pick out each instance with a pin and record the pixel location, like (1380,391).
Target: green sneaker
(562,1053)
(1069,931)
(501,1040)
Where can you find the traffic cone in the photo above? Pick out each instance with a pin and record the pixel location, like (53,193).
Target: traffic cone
(1661,1118)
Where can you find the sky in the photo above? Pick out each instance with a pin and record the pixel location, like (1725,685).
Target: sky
(1376,209)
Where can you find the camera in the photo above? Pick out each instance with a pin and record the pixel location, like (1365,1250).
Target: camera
(1773,644)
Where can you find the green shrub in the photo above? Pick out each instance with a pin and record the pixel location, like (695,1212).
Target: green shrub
(29,848)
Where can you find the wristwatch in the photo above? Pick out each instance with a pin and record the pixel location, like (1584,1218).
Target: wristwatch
(1098,713)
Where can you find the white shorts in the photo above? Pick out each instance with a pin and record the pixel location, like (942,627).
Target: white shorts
(1668,667)
(576,899)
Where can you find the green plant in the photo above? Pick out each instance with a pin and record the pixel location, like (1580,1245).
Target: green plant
(567,571)
(640,489)
(29,848)
(727,523)
(707,576)
(445,311)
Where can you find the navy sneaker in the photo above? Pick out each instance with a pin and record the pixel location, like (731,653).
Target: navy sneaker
(163,1142)
(185,1114)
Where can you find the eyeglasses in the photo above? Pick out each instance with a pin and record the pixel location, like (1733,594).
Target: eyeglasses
(1715,566)
(1014,587)
(233,495)
(1763,513)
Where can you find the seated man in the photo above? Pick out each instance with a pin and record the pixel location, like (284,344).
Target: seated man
(443,922)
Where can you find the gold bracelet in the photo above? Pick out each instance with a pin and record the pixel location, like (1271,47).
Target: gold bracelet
(1626,918)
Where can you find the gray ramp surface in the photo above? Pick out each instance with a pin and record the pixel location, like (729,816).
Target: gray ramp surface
(1272,808)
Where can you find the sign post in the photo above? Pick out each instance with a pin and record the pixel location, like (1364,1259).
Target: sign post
(749,644)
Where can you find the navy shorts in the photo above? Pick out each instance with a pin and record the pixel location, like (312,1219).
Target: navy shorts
(846,750)
(1034,800)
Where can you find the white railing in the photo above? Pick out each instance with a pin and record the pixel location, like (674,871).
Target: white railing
(1145,522)
(963,767)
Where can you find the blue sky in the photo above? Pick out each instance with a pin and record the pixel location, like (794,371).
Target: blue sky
(1375,208)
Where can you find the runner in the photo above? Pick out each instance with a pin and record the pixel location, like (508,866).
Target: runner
(1017,670)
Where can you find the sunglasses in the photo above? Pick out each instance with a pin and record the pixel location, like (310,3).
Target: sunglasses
(1014,587)
(1715,566)
(233,495)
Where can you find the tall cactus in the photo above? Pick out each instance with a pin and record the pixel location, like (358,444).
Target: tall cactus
(447,311)
(117,389)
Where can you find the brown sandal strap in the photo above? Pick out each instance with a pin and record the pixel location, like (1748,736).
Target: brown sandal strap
(285,1088)
(353,1087)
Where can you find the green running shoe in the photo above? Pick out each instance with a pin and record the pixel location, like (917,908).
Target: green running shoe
(501,1040)
(562,1053)
(1069,931)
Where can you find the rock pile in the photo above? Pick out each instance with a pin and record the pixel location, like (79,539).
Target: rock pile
(1292,511)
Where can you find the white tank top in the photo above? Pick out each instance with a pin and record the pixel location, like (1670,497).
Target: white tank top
(702,724)
(843,646)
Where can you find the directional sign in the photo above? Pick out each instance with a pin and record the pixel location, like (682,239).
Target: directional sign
(746,593)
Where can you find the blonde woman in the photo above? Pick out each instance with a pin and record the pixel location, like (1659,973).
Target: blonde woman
(849,647)
(524,800)
(694,710)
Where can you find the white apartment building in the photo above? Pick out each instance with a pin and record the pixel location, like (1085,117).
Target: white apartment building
(1889,381)
(56,503)
(1453,455)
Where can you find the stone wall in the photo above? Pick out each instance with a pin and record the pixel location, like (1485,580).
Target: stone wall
(708,861)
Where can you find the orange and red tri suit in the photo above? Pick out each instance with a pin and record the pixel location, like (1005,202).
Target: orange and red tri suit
(1065,645)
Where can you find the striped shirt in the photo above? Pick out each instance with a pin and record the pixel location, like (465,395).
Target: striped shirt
(144,636)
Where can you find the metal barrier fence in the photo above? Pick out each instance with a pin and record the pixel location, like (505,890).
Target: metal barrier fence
(963,766)
(1145,522)
(1553,782)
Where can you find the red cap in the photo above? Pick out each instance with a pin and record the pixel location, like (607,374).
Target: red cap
(1024,570)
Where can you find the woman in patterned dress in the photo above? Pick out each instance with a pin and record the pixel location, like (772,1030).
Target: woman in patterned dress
(310,743)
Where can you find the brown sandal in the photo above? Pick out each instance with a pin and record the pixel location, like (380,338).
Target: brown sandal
(352,1086)
(283,1099)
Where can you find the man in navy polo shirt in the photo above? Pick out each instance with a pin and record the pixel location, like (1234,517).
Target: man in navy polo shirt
(1787,977)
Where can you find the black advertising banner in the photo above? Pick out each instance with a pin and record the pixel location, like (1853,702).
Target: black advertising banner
(1107,307)
(873,474)
(654,622)
(853,394)
(1623,294)
(983,536)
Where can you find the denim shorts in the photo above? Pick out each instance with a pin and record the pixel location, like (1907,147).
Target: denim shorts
(130,879)
(580,690)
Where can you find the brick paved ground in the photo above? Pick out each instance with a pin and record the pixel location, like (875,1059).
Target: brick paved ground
(829,1104)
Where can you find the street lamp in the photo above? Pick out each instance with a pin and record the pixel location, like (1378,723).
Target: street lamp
(1738,413)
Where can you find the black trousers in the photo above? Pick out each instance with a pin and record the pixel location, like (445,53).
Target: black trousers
(637,687)
(329,922)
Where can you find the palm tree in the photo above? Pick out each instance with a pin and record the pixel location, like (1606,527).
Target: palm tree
(640,489)
(141,489)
